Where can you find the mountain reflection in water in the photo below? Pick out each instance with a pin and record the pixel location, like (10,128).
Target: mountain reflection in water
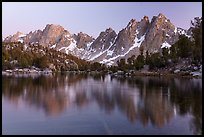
(146,99)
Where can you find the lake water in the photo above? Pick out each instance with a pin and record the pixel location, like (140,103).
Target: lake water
(96,104)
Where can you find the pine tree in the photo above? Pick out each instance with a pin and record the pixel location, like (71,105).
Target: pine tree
(197,36)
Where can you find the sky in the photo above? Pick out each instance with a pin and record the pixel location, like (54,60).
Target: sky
(91,17)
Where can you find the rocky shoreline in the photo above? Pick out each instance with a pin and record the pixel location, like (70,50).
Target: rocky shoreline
(37,71)
(26,71)
(161,74)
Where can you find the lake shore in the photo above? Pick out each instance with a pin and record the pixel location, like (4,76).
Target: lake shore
(165,74)
(26,71)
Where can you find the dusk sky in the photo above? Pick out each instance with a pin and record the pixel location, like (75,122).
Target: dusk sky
(91,17)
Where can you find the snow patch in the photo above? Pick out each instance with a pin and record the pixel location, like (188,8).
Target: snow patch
(53,46)
(89,44)
(66,61)
(67,36)
(196,73)
(137,32)
(110,52)
(96,56)
(66,49)
(167,35)
(136,44)
(62,48)
(25,47)
(122,48)
(175,30)
(72,46)
(20,40)
(109,61)
(103,46)
(182,32)
(165,45)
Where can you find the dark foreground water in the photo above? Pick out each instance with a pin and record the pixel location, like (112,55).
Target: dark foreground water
(84,104)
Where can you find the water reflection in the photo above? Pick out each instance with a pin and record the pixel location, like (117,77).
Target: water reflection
(144,99)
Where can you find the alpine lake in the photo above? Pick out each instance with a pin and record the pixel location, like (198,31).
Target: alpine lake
(61,104)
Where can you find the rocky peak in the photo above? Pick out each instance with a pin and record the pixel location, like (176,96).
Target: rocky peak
(132,23)
(161,15)
(101,45)
(83,39)
(159,21)
(81,34)
(52,30)
(64,39)
(143,26)
(51,34)
(33,37)
(105,39)
(53,27)
(14,38)
(109,30)
(146,18)
(125,39)
(161,30)
(18,33)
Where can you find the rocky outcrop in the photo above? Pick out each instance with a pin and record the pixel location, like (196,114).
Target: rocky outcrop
(64,40)
(126,42)
(160,30)
(15,38)
(102,43)
(33,37)
(125,38)
(82,40)
(104,40)
(143,26)
(51,34)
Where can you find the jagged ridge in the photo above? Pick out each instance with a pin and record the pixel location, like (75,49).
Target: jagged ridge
(108,47)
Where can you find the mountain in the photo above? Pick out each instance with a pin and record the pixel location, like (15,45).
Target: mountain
(101,45)
(108,47)
(19,36)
